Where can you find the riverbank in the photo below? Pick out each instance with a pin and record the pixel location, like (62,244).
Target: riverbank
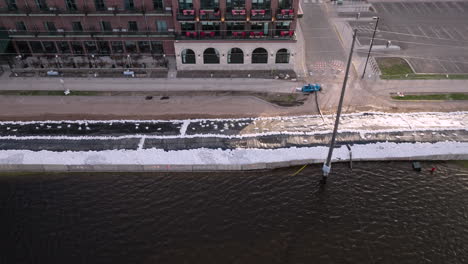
(229,144)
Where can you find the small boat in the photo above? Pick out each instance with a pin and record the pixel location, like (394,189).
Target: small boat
(416,166)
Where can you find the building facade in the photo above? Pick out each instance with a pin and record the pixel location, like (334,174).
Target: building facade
(81,27)
(235,34)
(200,34)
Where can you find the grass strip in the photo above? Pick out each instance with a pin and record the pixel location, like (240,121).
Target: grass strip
(449,96)
(49,93)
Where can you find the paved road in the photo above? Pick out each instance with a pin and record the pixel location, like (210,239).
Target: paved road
(433,35)
(325,56)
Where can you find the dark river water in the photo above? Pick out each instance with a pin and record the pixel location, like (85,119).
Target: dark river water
(377,213)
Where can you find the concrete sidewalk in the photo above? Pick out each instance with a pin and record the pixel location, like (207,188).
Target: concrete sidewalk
(146,84)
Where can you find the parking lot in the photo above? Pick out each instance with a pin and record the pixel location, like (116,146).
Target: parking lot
(433,36)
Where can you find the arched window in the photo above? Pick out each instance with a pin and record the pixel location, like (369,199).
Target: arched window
(211,56)
(282,56)
(259,55)
(188,56)
(235,56)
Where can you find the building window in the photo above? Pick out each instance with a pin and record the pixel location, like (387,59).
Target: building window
(100,5)
(50,26)
(90,46)
(132,26)
(11,4)
(185,4)
(161,26)
(285,4)
(235,27)
(130,46)
(77,47)
(282,56)
(117,47)
(235,56)
(41,4)
(209,4)
(77,27)
(103,47)
(282,26)
(259,55)
(49,46)
(23,47)
(158,4)
(36,46)
(188,56)
(63,47)
(260,4)
(209,27)
(129,4)
(144,46)
(235,4)
(211,56)
(20,26)
(106,26)
(157,47)
(259,27)
(71,5)
(187,27)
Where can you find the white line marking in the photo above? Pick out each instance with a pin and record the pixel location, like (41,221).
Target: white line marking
(458,7)
(142,142)
(183,128)
(462,36)
(438,8)
(420,29)
(445,69)
(383,7)
(456,66)
(438,36)
(448,33)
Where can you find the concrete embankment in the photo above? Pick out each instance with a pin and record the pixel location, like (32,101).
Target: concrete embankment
(206,167)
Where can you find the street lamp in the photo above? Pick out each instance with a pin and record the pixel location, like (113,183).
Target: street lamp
(371,44)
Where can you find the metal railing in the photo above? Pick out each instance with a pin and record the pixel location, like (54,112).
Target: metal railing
(260,14)
(285,14)
(236,14)
(210,15)
(186,14)
(238,35)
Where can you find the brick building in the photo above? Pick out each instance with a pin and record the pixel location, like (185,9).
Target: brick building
(200,34)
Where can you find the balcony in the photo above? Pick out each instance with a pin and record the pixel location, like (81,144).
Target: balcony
(89,33)
(186,14)
(236,14)
(260,14)
(235,35)
(210,15)
(81,11)
(285,14)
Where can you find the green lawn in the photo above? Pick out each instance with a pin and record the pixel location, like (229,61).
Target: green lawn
(450,96)
(415,76)
(393,66)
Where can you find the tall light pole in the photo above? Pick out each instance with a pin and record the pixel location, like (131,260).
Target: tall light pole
(370,46)
(327,165)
